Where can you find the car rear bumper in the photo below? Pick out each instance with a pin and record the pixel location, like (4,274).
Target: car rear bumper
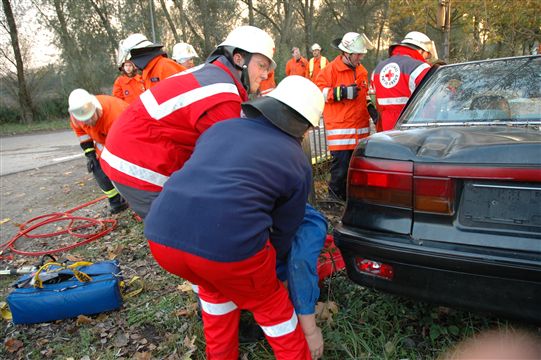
(452,275)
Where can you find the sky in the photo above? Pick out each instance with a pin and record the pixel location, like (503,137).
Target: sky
(39,39)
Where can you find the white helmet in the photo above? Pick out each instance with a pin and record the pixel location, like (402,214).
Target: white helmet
(353,43)
(315,47)
(309,105)
(82,105)
(134,41)
(183,52)
(418,39)
(251,39)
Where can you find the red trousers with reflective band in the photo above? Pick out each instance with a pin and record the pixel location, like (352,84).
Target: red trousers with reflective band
(227,287)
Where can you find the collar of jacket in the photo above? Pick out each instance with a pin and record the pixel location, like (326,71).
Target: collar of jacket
(407,51)
(141,61)
(341,66)
(223,63)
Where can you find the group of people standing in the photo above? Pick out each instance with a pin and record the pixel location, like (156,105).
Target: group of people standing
(346,88)
(224,203)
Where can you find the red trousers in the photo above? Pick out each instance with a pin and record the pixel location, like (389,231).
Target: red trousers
(226,288)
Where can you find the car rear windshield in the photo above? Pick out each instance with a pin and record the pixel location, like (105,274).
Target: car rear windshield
(486,92)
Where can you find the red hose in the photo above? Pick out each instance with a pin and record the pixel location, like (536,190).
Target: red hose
(105,226)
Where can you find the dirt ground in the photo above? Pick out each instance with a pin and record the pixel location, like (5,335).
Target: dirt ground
(41,191)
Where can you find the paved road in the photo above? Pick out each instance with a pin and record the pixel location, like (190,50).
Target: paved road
(26,152)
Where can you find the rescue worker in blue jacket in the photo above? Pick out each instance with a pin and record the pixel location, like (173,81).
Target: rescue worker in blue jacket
(224,219)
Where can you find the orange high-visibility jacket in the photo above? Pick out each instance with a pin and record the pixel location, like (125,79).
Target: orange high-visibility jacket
(297,67)
(314,66)
(112,107)
(346,121)
(267,85)
(158,69)
(128,88)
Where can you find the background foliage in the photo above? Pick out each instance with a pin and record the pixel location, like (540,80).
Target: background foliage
(86,34)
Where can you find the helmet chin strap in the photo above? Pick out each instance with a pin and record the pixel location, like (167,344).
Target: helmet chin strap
(245,76)
(348,63)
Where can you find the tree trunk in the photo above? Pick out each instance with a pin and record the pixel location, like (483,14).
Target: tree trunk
(170,21)
(250,12)
(25,101)
(107,25)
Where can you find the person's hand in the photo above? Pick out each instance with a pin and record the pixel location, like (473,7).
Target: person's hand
(91,161)
(315,343)
(345,92)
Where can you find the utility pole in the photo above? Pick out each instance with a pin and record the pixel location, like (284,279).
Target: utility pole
(152,21)
(443,18)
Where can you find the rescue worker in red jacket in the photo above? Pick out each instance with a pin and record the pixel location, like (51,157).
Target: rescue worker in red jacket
(395,78)
(344,83)
(316,63)
(91,118)
(297,65)
(212,222)
(157,133)
(129,84)
(149,58)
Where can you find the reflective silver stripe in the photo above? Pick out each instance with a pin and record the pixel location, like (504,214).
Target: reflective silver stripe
(195,289)
(341,132)
(333,132)
(84,138)
(342,142)
(415,74)
(99,145)
(159,111)
(325,92)
(133,170)
(217,309)
(393,101)
(265,92)
(281,329)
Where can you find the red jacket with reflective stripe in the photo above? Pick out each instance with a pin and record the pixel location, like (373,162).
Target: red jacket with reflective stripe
(157,133)
(394,80)
(159,69)
(346,121)
(112,107)
(128,88)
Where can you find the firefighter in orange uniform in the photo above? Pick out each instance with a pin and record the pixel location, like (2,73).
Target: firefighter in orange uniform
(316,63)
(149,58)
(297,65)
(129,84)
(91,117)
(344,83)
(267,85)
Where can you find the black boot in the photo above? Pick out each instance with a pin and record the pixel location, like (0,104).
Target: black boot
(117,204)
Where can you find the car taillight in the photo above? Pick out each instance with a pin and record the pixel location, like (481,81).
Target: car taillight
(385,182)
(375,268)
(434,195)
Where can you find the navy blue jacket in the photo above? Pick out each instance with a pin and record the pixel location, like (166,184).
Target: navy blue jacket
(246,182)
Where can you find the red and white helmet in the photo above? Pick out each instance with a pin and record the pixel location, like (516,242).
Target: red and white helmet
(253,40)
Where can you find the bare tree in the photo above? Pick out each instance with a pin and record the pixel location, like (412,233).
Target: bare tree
(170,21)
(28,113)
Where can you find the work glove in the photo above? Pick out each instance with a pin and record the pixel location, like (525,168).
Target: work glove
(92,161)
(345,92)
(373,112)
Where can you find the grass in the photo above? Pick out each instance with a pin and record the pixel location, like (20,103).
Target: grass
(7,129)
(162,322)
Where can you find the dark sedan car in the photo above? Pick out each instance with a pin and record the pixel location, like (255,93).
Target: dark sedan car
(447,206)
